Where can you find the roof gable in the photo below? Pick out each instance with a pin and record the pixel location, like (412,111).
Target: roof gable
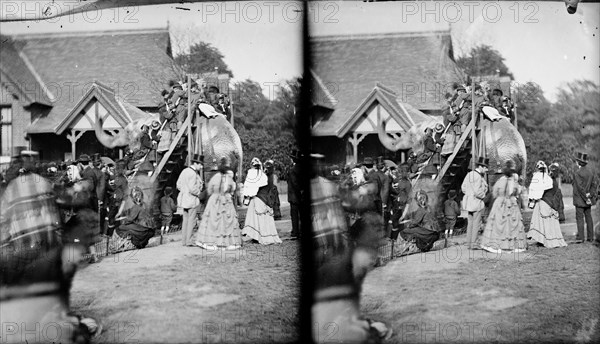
(387,99)
(115,113)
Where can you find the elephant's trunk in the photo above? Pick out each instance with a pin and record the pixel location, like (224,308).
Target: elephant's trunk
(110,141)
(393,144)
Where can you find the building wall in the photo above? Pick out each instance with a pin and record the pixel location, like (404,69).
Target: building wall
(21,118)
(50,146)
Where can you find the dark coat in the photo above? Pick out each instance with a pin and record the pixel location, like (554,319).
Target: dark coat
(88,174)
(146,142)
(101,183)
(584,182)
(383,186)
(294,192)
(400,194)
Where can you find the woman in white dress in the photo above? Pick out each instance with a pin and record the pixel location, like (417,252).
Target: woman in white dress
(545,225)
(260,221)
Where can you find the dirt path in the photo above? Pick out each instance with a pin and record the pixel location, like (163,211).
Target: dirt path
(176,294)
(457,295)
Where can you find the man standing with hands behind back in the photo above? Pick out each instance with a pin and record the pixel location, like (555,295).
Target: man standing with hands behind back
(189,185)
(475,188)
(584,196)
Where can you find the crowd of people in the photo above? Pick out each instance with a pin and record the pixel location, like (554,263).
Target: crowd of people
(92,194)
(218,226)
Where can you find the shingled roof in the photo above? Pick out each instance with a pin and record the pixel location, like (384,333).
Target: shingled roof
(137,64)
(18,76)
(419,67)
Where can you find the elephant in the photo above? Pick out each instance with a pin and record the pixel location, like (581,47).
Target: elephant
(501,139)
(219,139)
(502,142)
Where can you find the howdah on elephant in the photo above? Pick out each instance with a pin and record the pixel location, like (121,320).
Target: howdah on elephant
(218,139)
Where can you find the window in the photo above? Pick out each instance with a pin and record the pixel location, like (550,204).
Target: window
(6,131)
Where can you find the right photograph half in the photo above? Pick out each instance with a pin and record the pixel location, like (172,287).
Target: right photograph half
(455,171)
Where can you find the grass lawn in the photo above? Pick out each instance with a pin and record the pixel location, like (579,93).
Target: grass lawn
(456,295)
(175,294)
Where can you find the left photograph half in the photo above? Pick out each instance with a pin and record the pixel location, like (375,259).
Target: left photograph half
(149,186)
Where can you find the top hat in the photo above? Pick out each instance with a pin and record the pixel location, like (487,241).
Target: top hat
(197,158)
(155,125)
(439,128)
(451,194)
(84,158)
(368,161)
(481,161)
(581,157)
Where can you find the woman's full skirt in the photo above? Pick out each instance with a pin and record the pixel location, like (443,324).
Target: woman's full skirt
(504,228)
(260,223)
(219,225)
(545,226)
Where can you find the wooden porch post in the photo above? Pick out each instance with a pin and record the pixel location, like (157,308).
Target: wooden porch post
(355,139)
(73,137)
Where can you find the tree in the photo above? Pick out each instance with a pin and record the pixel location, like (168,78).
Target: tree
(202,58)
(266,128)
(483,60)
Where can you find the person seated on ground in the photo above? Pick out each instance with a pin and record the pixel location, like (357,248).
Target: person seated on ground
(137,226)
(37,268)
(422,227)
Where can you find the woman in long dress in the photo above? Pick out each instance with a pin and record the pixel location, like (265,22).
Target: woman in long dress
(545,226)
(219,226)
(260,221)
(504,229)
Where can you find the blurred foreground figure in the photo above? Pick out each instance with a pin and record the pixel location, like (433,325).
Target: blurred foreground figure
(36,270)
(341,263)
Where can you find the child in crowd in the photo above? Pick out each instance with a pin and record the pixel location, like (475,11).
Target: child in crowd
(167,208)
(451,212)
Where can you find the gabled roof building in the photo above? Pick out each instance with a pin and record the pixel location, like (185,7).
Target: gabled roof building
(362,80)
(51,81)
